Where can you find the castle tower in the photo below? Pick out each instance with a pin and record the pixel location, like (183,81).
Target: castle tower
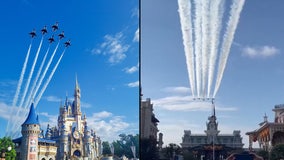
(88,148)
(212,127)
(30,132)
(63,151)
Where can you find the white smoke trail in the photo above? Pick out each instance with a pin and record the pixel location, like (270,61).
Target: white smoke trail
(48,80)
(17,123)
(29,99)
(197,44)
(216,12)
(28,82)
(31,73)
(205,43)
(44,72)
(186,28)
(36,90)
(236,9)
(19,86)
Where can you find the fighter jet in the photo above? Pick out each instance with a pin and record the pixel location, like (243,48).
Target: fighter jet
(68,43)
(33,33)
(61,35)
(44,30)
(55,26)
(51,39)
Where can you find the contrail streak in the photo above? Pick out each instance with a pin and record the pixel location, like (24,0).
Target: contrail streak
(186,27)
(19,86)
(197,42)
(201,26)
(29,80)
(205,42)
(44,72)
(29,99)
(49,78)
(236,9)
(39,84)
(31,73)
(216,12)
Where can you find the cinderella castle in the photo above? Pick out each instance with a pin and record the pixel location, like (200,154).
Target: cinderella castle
(71,139)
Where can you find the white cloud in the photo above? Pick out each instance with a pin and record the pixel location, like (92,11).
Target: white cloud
(51,120)
(5,111)
(8,88)
(135,12)
(100,115)
(52,99)
(133,84)
(261,51)
(186,103)
(131,69)
(85,105)
(107,126)
(114,47)
(181,103)
(177,90)
(136,36)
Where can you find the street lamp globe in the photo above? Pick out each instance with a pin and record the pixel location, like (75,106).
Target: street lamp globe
(9,148)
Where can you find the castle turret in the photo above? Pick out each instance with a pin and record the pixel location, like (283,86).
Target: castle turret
(63,143)
(212,127)
(88,148)
(30,132)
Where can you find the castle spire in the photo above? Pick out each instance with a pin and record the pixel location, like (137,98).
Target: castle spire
(77,97)
(76,83)
(213,108)
(265,117)
(32,117)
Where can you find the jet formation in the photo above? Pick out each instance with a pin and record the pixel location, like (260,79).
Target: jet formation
(51,39)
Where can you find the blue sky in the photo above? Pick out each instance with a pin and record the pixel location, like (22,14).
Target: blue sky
(103,54)
(253,79)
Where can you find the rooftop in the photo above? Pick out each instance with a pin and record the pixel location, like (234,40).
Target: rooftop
(32,117)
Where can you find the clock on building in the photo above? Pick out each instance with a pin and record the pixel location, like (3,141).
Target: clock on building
(76,135)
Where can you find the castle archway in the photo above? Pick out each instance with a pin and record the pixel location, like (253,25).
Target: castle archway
(278,138)
(77,153)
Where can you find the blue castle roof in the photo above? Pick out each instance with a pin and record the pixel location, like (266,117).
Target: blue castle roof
(32,117)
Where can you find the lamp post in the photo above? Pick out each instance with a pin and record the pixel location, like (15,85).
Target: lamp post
(3,152)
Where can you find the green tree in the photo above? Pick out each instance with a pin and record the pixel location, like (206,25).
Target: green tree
(123,146)
(172,149)
(106,149)
(277,152)
(188,155)
(149,149)
(264,154)
(5,143)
